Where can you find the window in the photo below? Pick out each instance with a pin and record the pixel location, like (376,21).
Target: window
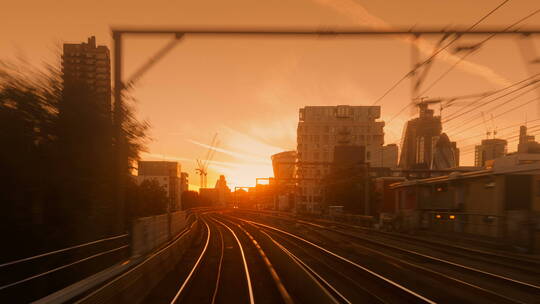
(441,188)
(342,111)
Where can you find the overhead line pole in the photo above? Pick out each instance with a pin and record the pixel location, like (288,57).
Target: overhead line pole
(119,86)
(312,32)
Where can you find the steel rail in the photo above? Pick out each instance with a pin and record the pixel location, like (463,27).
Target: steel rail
(62,250)
(533,287)
(179,237)
(61,267)
(277,280)
(467,252)
(475,287)
(436,245)
(395,284)
(246,268)
(316,277)
(536,288)
(195,267)
(220,266)
(441,275)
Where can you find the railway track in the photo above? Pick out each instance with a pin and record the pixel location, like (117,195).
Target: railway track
(493,261)
(220,250)
(332,272)
(421,263)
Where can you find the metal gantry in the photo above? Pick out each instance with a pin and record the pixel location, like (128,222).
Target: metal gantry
(178,33)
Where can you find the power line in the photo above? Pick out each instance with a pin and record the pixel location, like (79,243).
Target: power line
(492,100)
(475,49)
(498,115)
(451,116)
(435,53)
(507,127)
(506,137)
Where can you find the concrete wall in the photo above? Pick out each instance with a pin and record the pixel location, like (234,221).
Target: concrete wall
(135,284)
(149,233)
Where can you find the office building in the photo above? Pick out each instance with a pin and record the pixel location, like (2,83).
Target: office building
(167,174)
(527,143)
(489,149)
(87,66)
(320,130)
(420,142)
(184,182)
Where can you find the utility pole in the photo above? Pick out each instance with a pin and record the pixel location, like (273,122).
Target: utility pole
(119,136)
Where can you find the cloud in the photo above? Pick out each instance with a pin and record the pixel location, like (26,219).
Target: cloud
(238,155)
(357,12)
(164,157)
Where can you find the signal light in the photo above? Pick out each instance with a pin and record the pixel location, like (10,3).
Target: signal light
(452,217)
(438,216)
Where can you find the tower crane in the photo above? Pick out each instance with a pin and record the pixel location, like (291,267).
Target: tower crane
(202,165)
(445,102)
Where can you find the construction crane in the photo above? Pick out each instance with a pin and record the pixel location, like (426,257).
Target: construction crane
(202,165)
(445,102)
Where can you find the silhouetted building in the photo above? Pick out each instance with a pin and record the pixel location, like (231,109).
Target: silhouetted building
(419,140)
(320,129)
(527,144)
(445,154)
(88,65)
(167,174)
(184,182)
(348,181)
(208,196)
(223,191)
(346,156)
(283,164)
(489,149)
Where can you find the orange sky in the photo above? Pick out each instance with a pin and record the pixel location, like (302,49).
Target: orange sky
(249,90)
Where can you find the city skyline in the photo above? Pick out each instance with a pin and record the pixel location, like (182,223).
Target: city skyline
(305,72)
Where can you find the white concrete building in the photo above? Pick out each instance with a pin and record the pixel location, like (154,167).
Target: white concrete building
(167,174)
(320,129)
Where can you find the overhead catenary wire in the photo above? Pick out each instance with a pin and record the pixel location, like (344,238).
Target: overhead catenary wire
(509,139)
(507,136)
(462,125)
(464,109)
(476,49)
(504,128)
(436,52)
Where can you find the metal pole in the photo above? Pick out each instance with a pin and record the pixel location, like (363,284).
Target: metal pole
(118,118)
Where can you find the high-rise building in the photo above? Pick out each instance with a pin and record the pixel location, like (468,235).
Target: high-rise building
(489,149)
(527,143)
(283,164)
(320,129)
(445,154)
(88,66)
(420,138)
(167,174)
(223,191)
(284,185)
(184,182)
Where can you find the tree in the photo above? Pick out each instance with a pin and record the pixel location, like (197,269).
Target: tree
(56,162)
(190,199)
(146,199)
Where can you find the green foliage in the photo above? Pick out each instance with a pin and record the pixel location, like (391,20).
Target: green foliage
(58,177)
(146,199)
(190,199)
